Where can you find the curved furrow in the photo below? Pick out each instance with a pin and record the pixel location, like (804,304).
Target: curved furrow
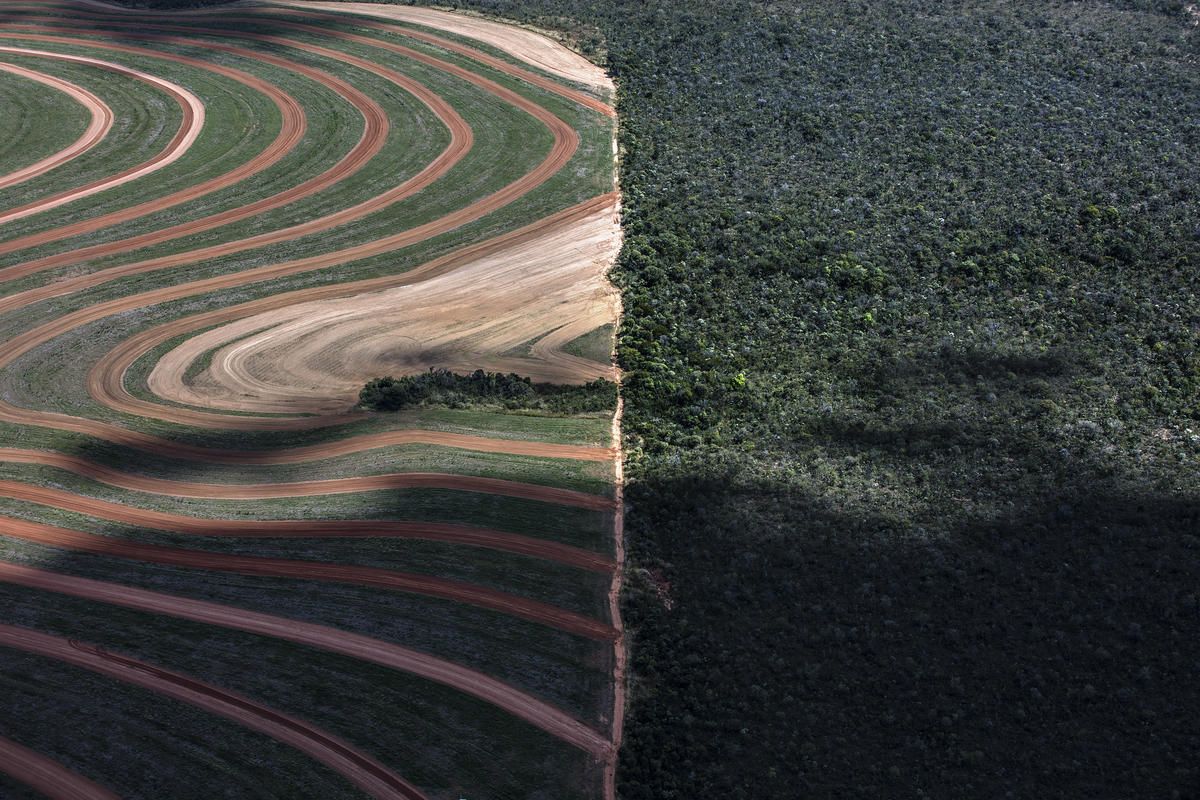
(104,377)
(461,140)
(253,491)
(365,772)
(311,529)
(101,123)
(582,98)
(106,386)
(291,132)
(189,130)
(391,580)
(520,704)
(47,776)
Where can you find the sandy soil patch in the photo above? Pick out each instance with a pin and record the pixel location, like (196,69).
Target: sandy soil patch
(314,357)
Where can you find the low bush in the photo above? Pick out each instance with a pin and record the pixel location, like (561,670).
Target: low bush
(511,391)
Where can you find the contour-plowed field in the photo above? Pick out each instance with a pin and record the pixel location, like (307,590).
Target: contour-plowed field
(220,579)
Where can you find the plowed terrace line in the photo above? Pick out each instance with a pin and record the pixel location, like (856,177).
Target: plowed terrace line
(257,491)
(364,771)
(294,125)
(310,529)
(47,775)
(372,141)
(189,130)
(393,580)
(99,126)
(550,719)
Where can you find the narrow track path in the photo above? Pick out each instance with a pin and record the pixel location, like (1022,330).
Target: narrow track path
(47,776)
(310,529)
(185,137)
(98,127)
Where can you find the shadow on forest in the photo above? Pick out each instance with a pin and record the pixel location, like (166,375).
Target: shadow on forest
(1045,637)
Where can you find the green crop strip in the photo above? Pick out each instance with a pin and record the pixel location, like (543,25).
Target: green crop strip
(34,121)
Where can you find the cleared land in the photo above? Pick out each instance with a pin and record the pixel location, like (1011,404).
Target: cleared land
(326,198)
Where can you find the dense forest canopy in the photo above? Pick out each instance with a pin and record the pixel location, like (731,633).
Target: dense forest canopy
(912,393)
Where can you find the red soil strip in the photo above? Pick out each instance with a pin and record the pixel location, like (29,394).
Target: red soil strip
(101,123)
(47,775)
(581,98)
(374,137)
(537,712)
(112,433)
(365,772)
(290,134)
(258,491)
(189,129)
(107,386)
(391,580)
(311,529)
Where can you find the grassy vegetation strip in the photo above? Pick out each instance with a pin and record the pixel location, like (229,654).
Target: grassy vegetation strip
(443,532)
(292,131)
(246,491)
(374,778)
(47,775)
(372,141)
(35,123)
(312,570)
(99,124)
(189,130)
(392,656)
(112,433)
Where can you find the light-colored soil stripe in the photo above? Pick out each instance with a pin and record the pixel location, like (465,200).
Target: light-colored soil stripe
(537,712)
(392,580)
(47,775)
(461,140)
(99,126)
(254,491)
(365,772)
(193,122)
(310,529)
